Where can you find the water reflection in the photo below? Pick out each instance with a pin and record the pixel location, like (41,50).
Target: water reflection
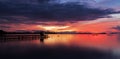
(87,40)
(43,37)
(74,46)
(59,39)
(22,37)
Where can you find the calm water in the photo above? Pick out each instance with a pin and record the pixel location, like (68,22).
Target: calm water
(63,46)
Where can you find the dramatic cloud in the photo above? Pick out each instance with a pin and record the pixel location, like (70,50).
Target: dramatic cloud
(16,11)
(27,14)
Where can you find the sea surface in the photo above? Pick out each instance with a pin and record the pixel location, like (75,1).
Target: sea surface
(61,46)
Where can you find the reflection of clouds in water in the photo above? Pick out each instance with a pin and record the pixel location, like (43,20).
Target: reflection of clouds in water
(116,52)
(67,44)
(107,42)
(102,42)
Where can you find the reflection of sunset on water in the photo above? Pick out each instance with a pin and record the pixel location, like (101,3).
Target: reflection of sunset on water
(96,41)
(85,40)
(59,39)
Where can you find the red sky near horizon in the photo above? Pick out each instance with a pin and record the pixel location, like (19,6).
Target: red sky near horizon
(99,25)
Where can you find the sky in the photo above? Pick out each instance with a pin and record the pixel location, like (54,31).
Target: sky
(60,15)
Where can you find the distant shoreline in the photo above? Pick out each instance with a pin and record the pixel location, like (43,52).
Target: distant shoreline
(4,32)
(62,33)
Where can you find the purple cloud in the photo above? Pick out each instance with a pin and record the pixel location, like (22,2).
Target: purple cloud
(32,11)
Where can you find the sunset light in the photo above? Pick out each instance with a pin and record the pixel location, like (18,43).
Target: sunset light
(59,29)
(54,28)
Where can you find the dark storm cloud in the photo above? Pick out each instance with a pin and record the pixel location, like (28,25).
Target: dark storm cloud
(28,11)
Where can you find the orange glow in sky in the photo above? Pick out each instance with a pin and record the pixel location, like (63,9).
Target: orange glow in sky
(96,26)
(54,28)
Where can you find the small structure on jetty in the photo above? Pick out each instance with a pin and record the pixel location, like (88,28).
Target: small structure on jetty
(2,34)
(43,36)
(1,31)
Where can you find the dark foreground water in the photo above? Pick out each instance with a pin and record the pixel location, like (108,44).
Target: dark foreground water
(62,46)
